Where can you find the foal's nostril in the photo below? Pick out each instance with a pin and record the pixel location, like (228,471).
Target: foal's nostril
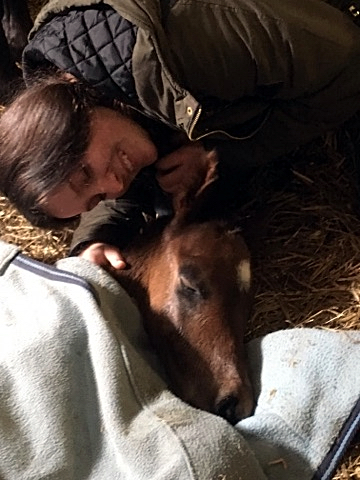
(226,408)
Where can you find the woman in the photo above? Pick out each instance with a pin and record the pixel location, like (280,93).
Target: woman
(254,79)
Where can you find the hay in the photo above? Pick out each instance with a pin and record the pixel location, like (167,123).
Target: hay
(308,267)
(307,263)
(306,245)
(42,245)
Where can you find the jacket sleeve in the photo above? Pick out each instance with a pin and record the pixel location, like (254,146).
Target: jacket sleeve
(298,61)
(112,221)
(286,129)
(294,123)
(117,221)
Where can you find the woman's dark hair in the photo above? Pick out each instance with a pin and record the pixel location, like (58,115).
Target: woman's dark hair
(44,134)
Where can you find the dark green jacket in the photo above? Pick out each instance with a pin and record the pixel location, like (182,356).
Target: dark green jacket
(214,66)
(256,78)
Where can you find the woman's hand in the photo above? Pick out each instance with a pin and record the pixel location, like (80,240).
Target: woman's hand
(105,255)
(176,171)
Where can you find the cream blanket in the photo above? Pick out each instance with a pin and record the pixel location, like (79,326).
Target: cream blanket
(81,396)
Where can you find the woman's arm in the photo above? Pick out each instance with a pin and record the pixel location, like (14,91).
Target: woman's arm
(109,227)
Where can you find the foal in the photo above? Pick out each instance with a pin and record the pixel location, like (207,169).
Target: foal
(191,281)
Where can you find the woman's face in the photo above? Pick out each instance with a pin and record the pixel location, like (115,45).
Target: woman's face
(119,148)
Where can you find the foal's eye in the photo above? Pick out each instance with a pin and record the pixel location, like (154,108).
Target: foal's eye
(192,285)
(187,288)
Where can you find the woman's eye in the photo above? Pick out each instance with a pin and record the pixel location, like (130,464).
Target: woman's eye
(81,178)
(86,173)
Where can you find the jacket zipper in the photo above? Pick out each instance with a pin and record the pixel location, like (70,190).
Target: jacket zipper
(232,137)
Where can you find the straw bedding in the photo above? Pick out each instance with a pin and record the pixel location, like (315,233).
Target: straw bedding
(302,222)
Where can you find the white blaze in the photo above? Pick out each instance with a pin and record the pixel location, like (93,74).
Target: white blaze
(244,275)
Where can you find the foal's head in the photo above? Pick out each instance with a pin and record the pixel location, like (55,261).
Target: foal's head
(197,282)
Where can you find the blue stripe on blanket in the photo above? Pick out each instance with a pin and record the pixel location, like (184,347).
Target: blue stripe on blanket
(349,431)
(53,273)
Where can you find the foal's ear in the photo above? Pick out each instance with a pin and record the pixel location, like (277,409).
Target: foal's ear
(194,197)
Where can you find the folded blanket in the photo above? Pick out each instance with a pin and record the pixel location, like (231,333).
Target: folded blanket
(308,385)
(82,395)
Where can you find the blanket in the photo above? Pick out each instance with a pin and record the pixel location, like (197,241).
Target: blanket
(82,395)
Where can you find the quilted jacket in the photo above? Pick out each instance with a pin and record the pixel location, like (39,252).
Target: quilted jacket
(256,78)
